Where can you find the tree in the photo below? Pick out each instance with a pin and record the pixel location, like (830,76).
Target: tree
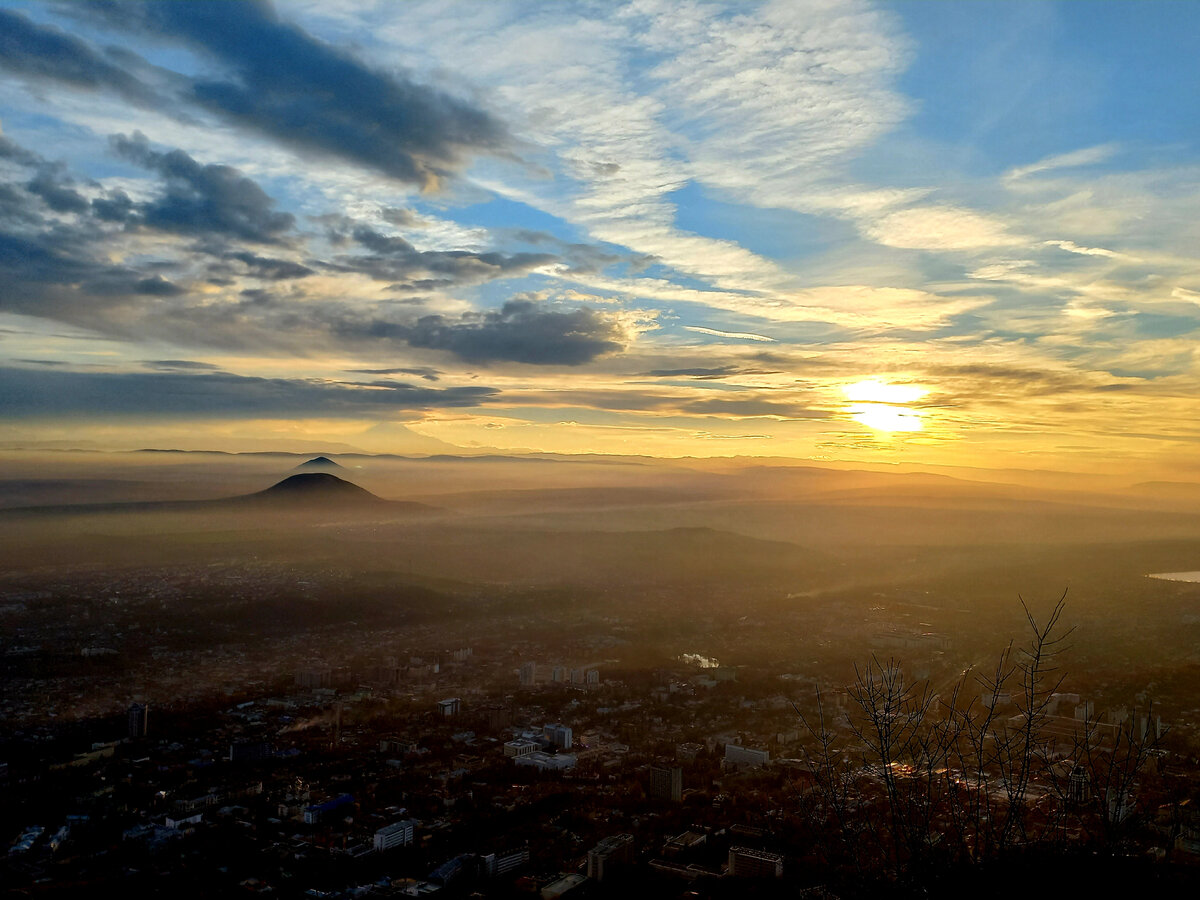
(953,777)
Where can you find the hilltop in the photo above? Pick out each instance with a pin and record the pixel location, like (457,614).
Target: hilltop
(318,463)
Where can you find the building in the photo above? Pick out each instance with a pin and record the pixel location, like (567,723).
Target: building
(451,870)
(666,783)
(139,720)
(689,751)
(687,843)
(497,864)
(496,716)
(399,834)
(745,757)
(314,815)
(585,675)
(747,863)
(449,707)
(521,747)
(546,762)
(314,678)
(611,852)
(529,674)
(559,736)
(563,886)
(1079,786)
(250,751)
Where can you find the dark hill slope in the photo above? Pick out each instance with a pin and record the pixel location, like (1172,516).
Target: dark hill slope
(318,464)
(312,488)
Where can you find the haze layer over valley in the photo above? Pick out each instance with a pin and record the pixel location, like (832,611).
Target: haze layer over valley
(810,561)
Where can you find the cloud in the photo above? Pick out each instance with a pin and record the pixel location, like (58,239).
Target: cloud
(269,268)
(1085,157)
(394,259)
(745,405)
(50,54)
(584,259)
(55,188)
(58,267)
(179,365)
(34,394)
(202,199)
(427,372)
(718,372)
(520,331)
(282,82)
(938,228)
(17,153)
(1072,247)
(736,335)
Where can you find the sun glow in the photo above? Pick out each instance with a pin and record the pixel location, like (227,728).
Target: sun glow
(881,392)
(881,417)
(876,405)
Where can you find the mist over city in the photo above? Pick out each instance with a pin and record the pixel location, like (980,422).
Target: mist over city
(667,449)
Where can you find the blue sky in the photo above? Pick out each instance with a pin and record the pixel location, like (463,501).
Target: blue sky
(536,206)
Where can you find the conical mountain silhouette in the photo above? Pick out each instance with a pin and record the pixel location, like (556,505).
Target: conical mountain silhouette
(318,463)
(315,487)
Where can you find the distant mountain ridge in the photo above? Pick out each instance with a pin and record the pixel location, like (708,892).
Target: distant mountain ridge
(307,492)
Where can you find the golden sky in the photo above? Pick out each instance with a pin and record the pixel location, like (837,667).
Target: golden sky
(902,233)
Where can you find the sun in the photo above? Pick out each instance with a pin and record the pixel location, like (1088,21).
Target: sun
(881,417)
(876,405)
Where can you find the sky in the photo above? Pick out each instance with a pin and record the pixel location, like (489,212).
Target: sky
(922,233)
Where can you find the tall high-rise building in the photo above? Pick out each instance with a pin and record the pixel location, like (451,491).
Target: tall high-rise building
(139,720)
(529,674)
(666,783)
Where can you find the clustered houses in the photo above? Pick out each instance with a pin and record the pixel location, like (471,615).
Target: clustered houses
(416,774)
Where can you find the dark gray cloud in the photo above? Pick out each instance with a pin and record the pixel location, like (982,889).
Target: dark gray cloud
(15,152)
(393,259)
(57,266)
(427,372)
(283,82)
(585,259)
(179,365)
(48,53)
(125,283)
(33,267)
(718,372)
(708,373)
(26,393)
(520,331)
(268,268)
(201,199)
(52,184)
